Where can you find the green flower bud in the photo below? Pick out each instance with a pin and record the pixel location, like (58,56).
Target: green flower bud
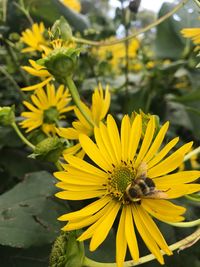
(49,149)
(7,116)
(61,30)
(145,120)
(67,251)
(61,63)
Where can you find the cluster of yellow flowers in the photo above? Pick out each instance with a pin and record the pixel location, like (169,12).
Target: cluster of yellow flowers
(132,171)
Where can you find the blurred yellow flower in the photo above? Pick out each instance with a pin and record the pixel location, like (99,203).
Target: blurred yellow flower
(97,112)
(73,4)
(192,33)
(34,38)
(47,109)
(131,176)
(116,54)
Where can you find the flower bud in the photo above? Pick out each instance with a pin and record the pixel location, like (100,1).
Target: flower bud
(49,149)
(61,30)
(61,63)
(67,251)
(7,116)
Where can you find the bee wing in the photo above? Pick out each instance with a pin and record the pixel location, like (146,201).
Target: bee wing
(141,171)
(157,194)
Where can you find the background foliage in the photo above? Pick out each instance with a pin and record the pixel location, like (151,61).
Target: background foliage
(162,80)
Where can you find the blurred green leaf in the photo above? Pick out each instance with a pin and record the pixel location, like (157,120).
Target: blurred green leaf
(50,10)
(169,43)
(29,212)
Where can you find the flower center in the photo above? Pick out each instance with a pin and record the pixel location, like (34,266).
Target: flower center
(51,115)
(119,179)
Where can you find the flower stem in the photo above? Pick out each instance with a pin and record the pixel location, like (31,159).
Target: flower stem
(182,244)
(21,136)
(192,153)
(76,98)
(186,224)
(145,29)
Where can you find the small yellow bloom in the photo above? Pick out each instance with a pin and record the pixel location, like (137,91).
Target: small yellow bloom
(97,112)
(34,38)
(132,176)
(192,33)
(38,71)
(47,109)
(73,4)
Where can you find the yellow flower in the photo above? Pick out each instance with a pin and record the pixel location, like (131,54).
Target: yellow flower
(34,38)
(97,112)
(116,54)
(73,4)
(38,71)
(47,109)
(193,33)
(131,176)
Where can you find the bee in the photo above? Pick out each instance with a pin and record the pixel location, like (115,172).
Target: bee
(143,187)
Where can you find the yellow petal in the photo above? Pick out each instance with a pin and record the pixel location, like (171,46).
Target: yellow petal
(121,243)
(153,229)
(104,227)
(170,163)
(146,141)
(83,165)
(79,187)
(114,136)
(157,143)
(86,211)
(163,152)
(87,220)
(145,233)
(89,232)
(103,145)
(71,195)
(177,178)
(180,190)
(163,210)
(93,152)
(130,235)
(125,134)
(135,135)
(36,86)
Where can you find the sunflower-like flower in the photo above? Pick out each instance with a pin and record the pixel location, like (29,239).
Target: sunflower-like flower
(73,4)
(131,176)
(97,112)
(34,38)
(38,71)
(47,109)
(192,33)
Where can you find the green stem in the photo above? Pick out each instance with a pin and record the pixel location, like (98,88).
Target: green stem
(192,153)
(21,136)
(186,224)
(76,98)
(182,244)
(22,8)
(145,29)
(197,2)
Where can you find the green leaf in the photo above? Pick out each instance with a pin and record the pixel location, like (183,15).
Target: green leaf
(29,212)
(169,43)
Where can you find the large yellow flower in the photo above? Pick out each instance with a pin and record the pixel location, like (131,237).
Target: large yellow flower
(47,109)
(193,33)
(97,112)
(34,38)
(73,4)
(131,175)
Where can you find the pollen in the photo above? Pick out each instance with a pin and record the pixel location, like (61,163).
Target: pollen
(119,179)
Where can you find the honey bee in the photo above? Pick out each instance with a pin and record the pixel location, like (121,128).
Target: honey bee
(143,187)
